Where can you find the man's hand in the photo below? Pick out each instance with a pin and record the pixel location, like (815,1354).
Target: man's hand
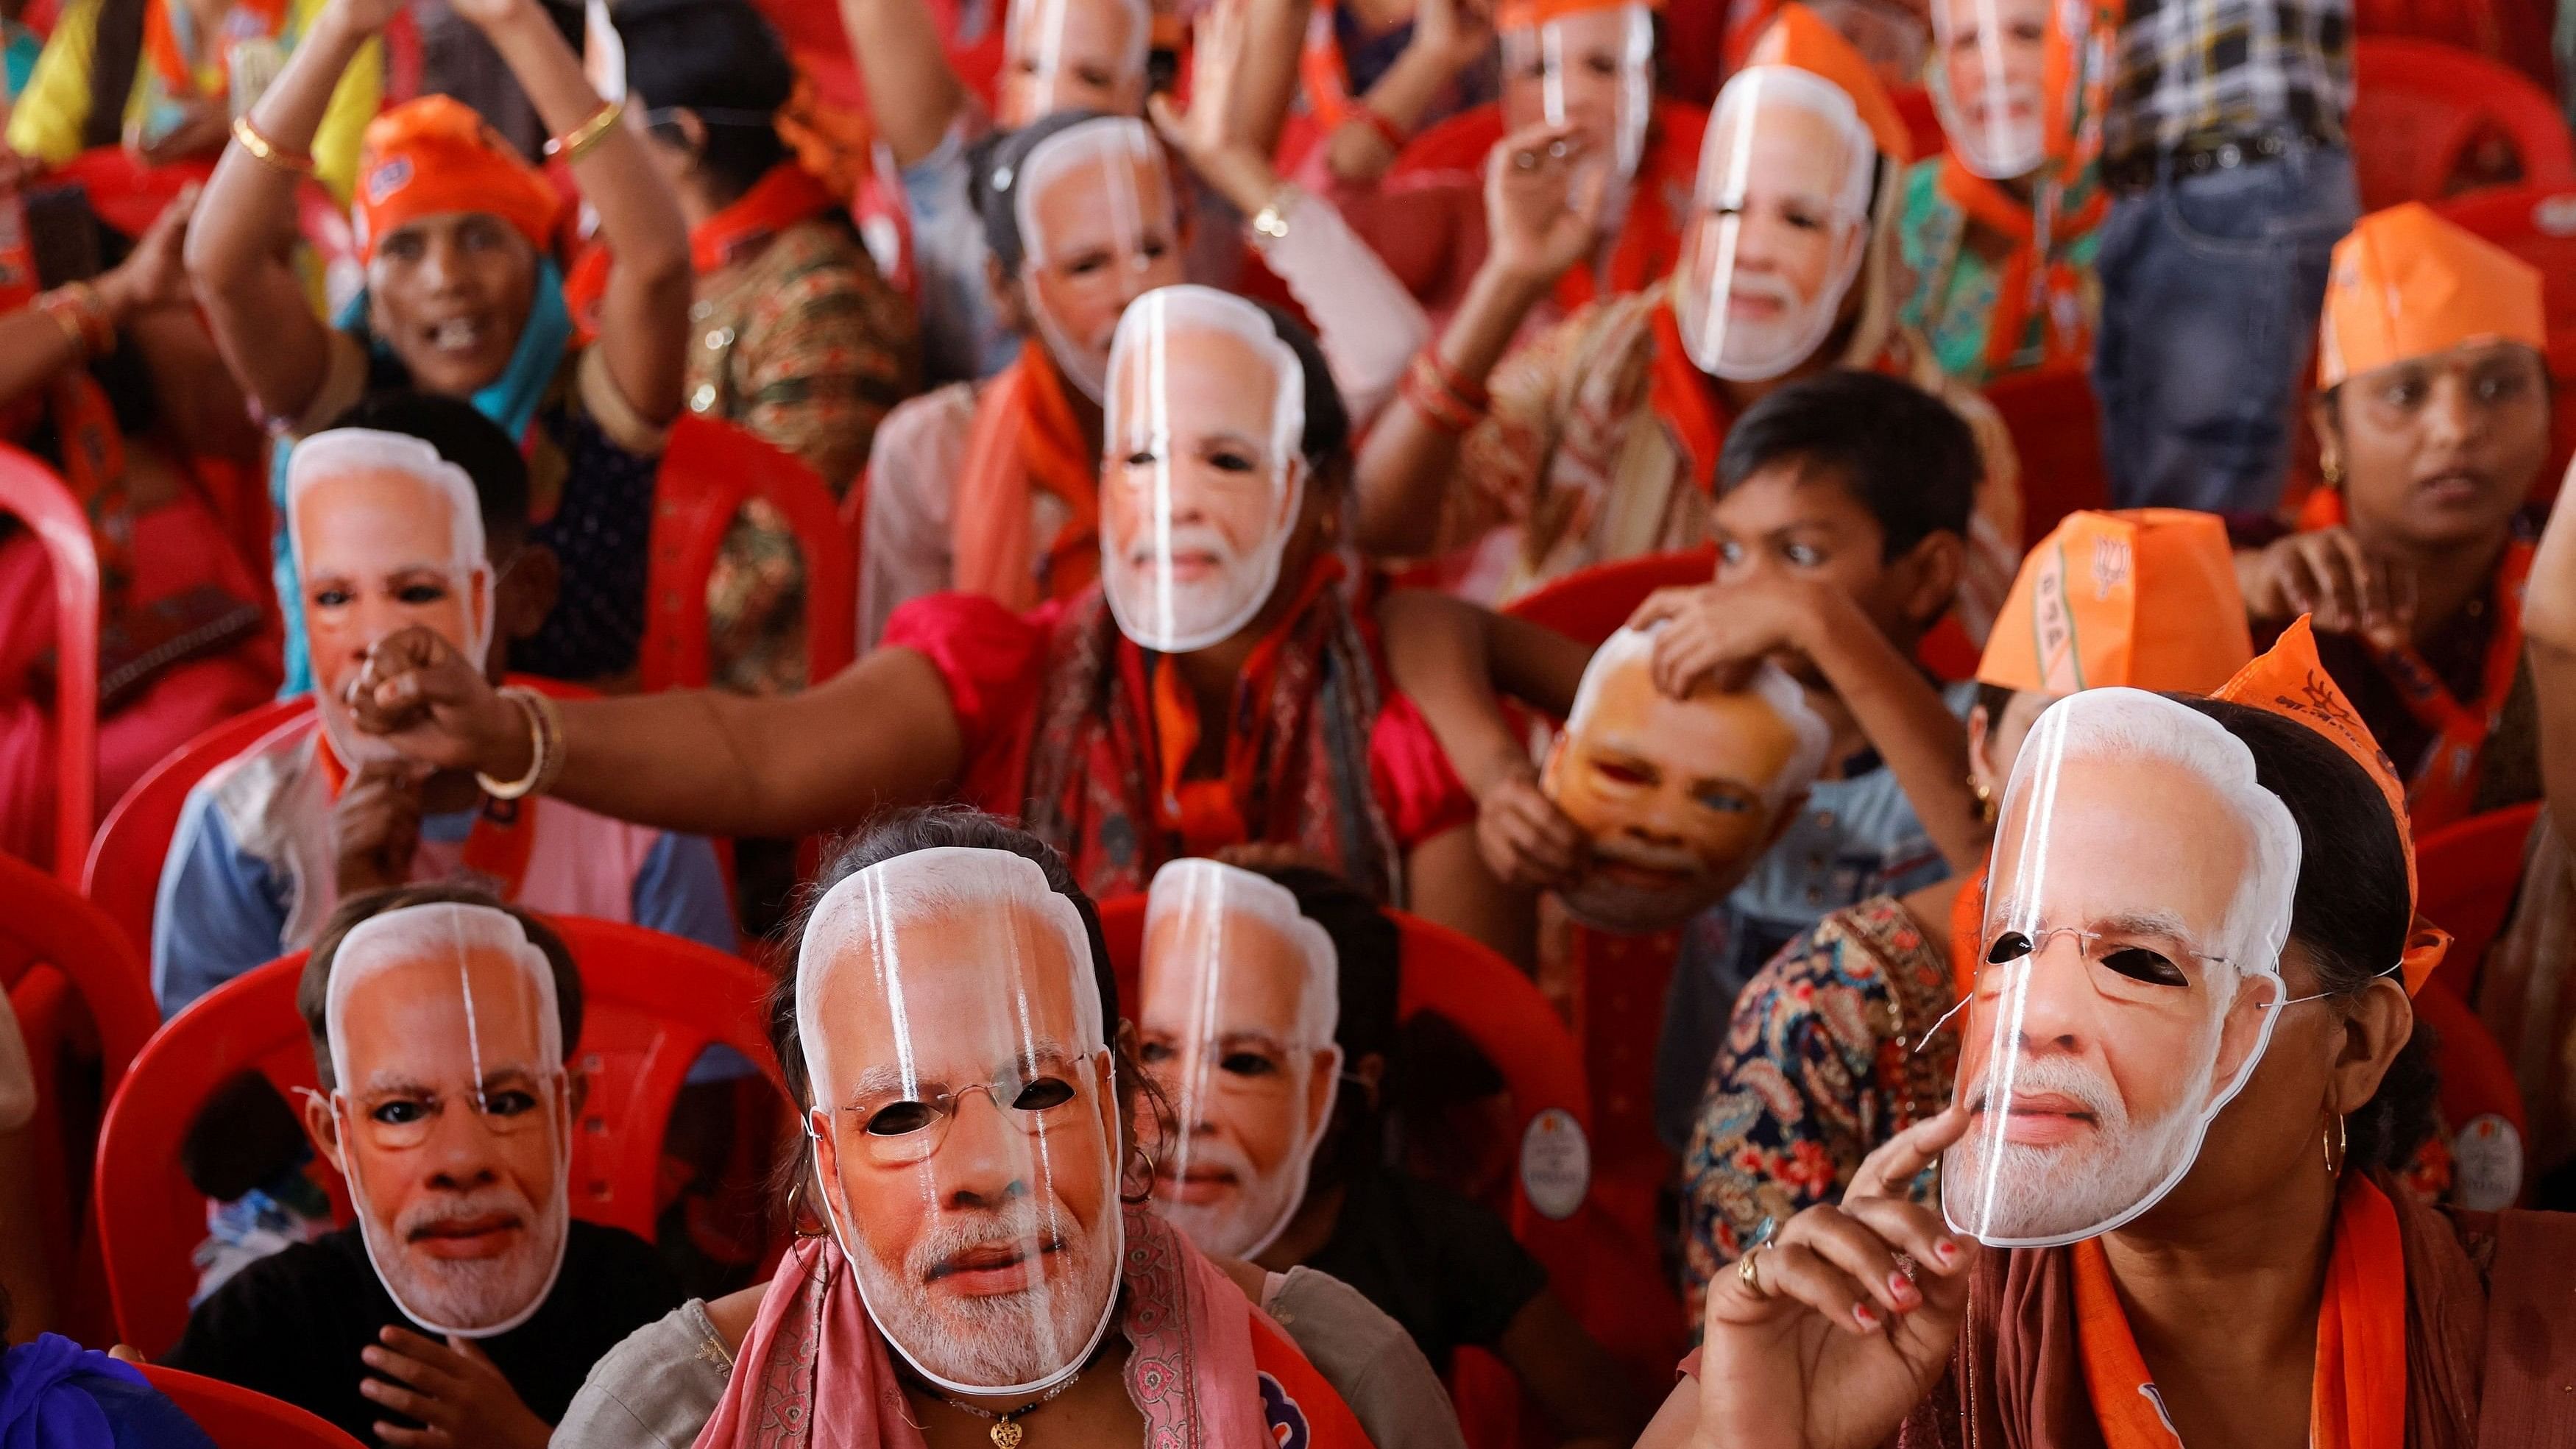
(1542,209)
(1527,842)
(453,1389)
(423,696)
(2329,575)
(1721,632)
(375,825)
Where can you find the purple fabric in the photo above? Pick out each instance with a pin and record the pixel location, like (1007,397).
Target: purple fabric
(41,1407)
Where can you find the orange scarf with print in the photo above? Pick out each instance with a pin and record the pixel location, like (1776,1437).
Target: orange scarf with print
(2024,278)
(784,196)
(2359,1397)
(170,59)
(1025,440)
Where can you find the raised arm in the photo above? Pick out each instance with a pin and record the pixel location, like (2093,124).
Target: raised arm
(241,250)
(644,314)
(1540,226)
(914,95)
(704,761)
(1448,37)
(38,345)
(2549,634)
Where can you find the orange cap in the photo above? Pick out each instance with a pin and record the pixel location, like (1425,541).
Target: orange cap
(2289,680)
(1797,37)
(2406,284)
(2145,597)
(1530,14)
(434,155)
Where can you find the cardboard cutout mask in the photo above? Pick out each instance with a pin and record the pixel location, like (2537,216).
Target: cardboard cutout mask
(1074,55)
(1098,229)
(1989,82)
(1593,68)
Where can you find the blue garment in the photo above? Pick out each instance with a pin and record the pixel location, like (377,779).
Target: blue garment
(961,337)
(2211,287)
(1857,837)
(223,908)
(55,1394)
(510,400)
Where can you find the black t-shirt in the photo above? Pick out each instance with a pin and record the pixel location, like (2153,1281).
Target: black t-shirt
(1446,1268)
(291,1324)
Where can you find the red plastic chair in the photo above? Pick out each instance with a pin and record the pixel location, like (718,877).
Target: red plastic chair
(2420,109)
(123,877)
(2056,428)
(2467,873)
(84,1005)
(2513,31)
(2481,1104)
(236,1418)
(2538,224)
(709,471)
(651,1003)
(30,491)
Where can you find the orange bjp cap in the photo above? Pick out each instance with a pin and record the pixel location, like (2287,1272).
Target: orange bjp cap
(2406,284)
(2290,681)
(436,155)
(1531,14)
(2144,597)
(1797,37)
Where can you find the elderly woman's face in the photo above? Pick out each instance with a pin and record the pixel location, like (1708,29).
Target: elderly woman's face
(449,294)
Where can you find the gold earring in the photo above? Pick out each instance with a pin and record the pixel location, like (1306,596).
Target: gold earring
(1985,799)
(2331,470)
(2335,1150)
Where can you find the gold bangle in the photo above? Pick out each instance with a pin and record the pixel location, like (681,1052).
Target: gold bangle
(577,142)
(62,310)
(268,152)
(545,746)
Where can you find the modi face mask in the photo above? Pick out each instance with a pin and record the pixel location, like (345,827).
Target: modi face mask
(1679,796)
(386,534)
(1240,998)
(1989,82)
(2129,974)
(1200,476)
(1098,228)
(965,1115)
(1074,55)
(453,1112)
(1780,223)
(1590,69)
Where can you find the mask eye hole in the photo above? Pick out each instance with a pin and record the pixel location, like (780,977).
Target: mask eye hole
(899,1119)
(1042,1094)
(2150,967)
(2010,946)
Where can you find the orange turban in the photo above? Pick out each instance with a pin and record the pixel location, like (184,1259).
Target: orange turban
(1530,14)
(2145,597)
(1796,37)
(2288,680)
(2405,284)
(435,155)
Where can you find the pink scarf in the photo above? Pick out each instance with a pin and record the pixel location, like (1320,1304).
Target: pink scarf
(813,1372)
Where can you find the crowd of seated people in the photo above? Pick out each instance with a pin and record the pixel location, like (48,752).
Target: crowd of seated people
(1343,510)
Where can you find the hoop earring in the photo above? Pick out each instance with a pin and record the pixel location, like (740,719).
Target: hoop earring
(2336,1150)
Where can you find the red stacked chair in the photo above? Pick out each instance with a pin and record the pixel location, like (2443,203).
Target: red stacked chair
(2056,428)
(30,491)
(2538,224)
(2423,112)
(652,1002)
(2481,1104)
(709,470)
(2513,31)
(237,1418)
(123,876)
(2469,871)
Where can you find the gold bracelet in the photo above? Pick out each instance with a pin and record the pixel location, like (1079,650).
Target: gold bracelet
(577,142)
(65,311)
(268,152)
(545,746)
(1271,222)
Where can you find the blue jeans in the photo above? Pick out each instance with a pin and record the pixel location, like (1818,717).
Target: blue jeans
(2211,286)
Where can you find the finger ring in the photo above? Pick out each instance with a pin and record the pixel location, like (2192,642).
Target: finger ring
(1525,160)
(1749,1273)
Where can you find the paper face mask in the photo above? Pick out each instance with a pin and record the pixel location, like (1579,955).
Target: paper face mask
(386,534)
(2130,974)
(1240,1000)
(1779,224)
(1074,55)
(1099,230)
(1988,82)
(1679,796)
(965,1115)
(1200,477)
(1592,69)
(447,1051)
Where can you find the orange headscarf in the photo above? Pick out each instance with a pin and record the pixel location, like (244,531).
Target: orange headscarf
(1530,14)
(2406,284)
(1797,37)
(436,155)
(1025,441)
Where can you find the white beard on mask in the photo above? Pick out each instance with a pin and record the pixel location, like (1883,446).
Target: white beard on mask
(2048,1193)
(1003,1338)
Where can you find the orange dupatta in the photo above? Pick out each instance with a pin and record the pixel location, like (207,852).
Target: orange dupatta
(2022,280)
(170,60)
(1967,934)
(1208,814)
(786,195)
(1025,438)
(1680,395)
(2359,1396)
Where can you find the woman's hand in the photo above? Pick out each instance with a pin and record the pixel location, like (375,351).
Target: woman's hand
(1835,1340)
(155,274)
(435,706)
(1542,210)
(2330,575)
(1527,842)
(1204,134)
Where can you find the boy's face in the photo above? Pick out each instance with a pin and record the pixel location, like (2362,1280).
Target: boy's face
(1787,520)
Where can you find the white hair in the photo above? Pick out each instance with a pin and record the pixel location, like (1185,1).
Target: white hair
(1025,18)
(1186,886)
(1632,648)
(339,452)
(1725,155)
(2122,725)
(440,931)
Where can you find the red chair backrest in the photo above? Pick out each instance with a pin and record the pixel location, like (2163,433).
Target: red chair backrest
(2419,107)
(237,1418)
(2056,428)
(709,470)
(29,490)
(2467,873)
(2538,224)
(2481,1103)
(2513,31)
(1590,604)
(651,1003)
(123,877)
